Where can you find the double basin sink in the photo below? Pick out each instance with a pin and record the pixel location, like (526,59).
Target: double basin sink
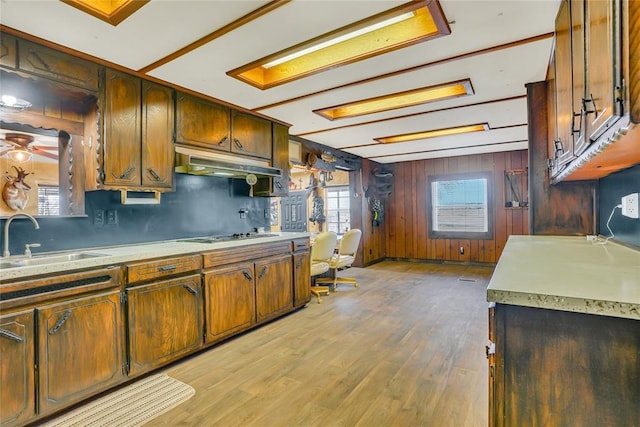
(47,259)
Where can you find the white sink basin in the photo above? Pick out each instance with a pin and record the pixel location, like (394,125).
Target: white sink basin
(48,259)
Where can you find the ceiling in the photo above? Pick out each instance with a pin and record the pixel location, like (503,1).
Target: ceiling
(499,45)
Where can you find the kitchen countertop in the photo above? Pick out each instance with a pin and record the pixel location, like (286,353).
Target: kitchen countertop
(134,252)
(569,274)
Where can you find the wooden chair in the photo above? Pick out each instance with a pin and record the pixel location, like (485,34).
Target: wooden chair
(321,253)
(344,258)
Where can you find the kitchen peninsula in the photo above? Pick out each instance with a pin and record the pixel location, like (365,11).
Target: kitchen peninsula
(135,308)
(564,331)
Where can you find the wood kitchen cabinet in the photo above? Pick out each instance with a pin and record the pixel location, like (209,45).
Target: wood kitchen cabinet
(277,186)
(560,368)
(17,376)
(301,272)
(8,51)
(137,151)
(205,124)
(164,322)
(229,301)
(274,289)
(80,349)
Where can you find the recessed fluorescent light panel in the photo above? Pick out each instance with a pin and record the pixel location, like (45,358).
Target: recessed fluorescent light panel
(398,100)
(111,11)
(405,25)
(433,133)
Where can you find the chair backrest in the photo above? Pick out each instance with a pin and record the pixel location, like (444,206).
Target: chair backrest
(324,245)
(350,241)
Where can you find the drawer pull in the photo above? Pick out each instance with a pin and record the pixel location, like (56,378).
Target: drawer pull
(262,272)
(127,173)
(154,174)
(247,275)
(223,140)
(11,335)
(191,290)
(166,268)
(60,322)
(40,60)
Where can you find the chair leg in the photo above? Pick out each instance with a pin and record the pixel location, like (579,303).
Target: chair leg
(317,290)
(344,280)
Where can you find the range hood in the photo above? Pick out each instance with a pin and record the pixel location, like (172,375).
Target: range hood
(202,162)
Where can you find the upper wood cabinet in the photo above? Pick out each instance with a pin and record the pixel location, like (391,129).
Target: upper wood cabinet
(56,65)
(592,76)
(205,124)
(202,123)
(8,51)
(138,131)
(273,186)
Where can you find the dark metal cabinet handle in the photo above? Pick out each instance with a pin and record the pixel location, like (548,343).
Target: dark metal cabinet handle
(191,290)
(154,174)
(60,322)
(575,130)
(11,335)
(223,140)
(262,272)
(278,184)
(586,101)
(125,174)
(238,144)
(247,275)
(166,268)
(40,60)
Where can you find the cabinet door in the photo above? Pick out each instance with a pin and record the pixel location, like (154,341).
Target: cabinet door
(17,360)
(565,119)
(57,65)
(251,135)
(274,288)
(80,349)
(301,279)
(122,130)
(603,67)
(165,322)
(157,135)
(273,186)
(8,51)
(202,123)
(229,301)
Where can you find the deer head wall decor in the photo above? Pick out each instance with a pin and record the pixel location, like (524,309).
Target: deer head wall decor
(15,190)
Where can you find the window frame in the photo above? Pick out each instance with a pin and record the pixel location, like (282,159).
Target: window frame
(465,235)
(337,189)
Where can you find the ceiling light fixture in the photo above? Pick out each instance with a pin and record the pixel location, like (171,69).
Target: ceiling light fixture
(433,133)
(111,11)
(19,155)
(398,100)
(408,24)
(11,104)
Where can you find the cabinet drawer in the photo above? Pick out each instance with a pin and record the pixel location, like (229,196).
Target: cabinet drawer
(147,270)
(301,245)
(227,256)
(58,66)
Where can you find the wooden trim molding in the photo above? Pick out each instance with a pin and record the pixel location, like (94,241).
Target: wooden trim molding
(112,12)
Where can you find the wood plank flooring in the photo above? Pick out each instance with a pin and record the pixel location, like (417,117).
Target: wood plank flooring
(406,348)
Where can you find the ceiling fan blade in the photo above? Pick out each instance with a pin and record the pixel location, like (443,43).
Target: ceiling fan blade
(2,153)
(44,147)
(46,154)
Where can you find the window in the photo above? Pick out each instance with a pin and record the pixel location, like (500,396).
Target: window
(48,200)
(338,209)
(460,206)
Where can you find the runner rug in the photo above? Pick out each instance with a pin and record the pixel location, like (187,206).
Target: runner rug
(133,405)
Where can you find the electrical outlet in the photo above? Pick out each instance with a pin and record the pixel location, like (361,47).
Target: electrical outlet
(98,217)
(112,216)
(630,205)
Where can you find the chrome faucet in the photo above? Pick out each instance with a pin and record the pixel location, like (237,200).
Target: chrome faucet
(6,253)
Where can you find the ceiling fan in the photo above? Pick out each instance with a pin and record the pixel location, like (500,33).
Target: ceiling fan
(20,147)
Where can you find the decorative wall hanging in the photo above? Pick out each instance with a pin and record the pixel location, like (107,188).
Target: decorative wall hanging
(15,192)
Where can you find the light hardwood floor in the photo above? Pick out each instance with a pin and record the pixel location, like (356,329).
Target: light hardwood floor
(404,349)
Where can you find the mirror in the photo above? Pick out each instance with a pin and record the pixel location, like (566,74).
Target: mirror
(41,149)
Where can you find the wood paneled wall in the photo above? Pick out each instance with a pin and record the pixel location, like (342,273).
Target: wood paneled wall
(406,222)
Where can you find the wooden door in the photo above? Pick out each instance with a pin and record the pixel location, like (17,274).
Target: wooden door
(17,360)
(274,287)
(80,352)
(157,135)
(229,301)
(301,278)
(202,123)
(165,322)
(251,135)
(122,130)
(293,212)
(603,67)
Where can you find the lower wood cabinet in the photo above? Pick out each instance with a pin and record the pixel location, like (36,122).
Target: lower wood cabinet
(17,376)
(229,301)
(274,287)
(301,273)
(164,322)
(560,368)
(80,349)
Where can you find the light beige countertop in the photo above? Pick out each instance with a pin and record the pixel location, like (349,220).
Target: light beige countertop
(134,252)
(569,274)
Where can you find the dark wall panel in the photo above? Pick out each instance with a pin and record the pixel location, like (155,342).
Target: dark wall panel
(199,206)
(610,192)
